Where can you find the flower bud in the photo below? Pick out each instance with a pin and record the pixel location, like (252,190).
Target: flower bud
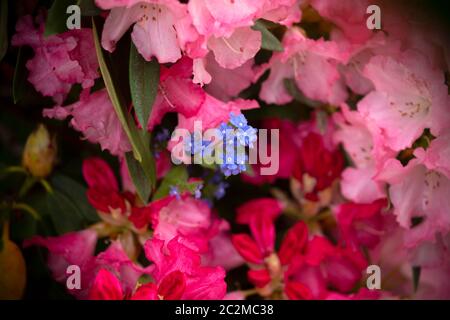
(40,152)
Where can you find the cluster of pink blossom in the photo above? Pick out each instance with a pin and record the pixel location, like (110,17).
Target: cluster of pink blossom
(368,171)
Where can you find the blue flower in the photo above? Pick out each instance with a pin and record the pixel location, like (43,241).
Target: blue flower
(238,121)
(198,192)
(220,191)
(194,145)
(162,136)
(247,136)
(174,191)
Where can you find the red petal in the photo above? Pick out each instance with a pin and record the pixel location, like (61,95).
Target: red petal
(294,242)
(258,207)
(98,174)
(146,292)
(247,248)
(297,291)
(172,286)
(263,230)
(260,278)
(106,287)
(105,201)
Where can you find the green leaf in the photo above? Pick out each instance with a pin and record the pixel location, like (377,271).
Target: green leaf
(88,8)
(64,213)
(140,180)
(139,139)
(123,116)
(177,176)
(57,17)
(20,76)
(77,194)
(3,28)
(144,80)
(268,41)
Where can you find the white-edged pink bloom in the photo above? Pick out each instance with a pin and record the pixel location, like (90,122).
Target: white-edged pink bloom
(410,96)
(313,64)
(162,28)
(225,27)
(362,144)
(418,191)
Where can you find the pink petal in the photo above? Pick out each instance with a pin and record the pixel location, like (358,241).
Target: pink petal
(106,287)
(233,51)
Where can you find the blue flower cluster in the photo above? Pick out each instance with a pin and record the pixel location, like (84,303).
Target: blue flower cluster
(236,136)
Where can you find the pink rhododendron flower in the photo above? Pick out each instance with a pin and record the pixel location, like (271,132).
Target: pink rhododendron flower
(361,224)
(59,60)
(299,61)
(194,104)
(359,127)
(418,191)
(188,218)
(76,248)
(409,96)
(213,112)
(221,251)
(181,267)
(265,264)
(438,154)
(161,28)
(175,81)
(94,116)
(363,143)
(232,52)
(227,84)
(349,15)
(225,29)
(339,267)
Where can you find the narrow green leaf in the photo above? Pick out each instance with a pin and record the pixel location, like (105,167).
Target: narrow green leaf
(20,76)
(268,41)
(144,79)
(139,139)
(140,180)
(3,28)
(178,175)
(57,17)
(124,119)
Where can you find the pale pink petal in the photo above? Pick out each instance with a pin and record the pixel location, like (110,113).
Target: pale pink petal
(155,35)
(349,15)
(232,52)
(359,186)
(227,84)
(96,119)
(232,12)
